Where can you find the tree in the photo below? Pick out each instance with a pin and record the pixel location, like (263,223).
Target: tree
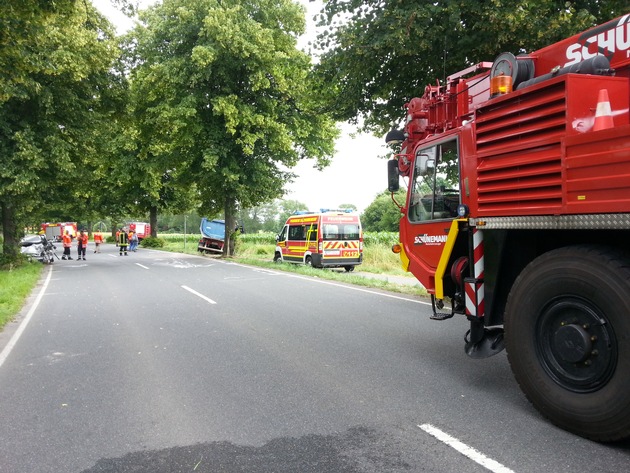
(224,100)
(382,54)
(383,215)
(55,89)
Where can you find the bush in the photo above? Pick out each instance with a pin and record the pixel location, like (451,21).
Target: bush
(151,242)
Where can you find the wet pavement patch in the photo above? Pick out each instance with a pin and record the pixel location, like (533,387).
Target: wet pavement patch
(359,450)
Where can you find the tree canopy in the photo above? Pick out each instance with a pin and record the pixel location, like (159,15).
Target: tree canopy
(377,55)
(208,104)
(222,99)
(56,90)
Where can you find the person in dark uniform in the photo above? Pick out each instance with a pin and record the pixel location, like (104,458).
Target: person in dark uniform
(123,241)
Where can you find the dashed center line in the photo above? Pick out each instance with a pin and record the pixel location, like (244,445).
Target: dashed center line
(465,450)
(142,266)
(192,291)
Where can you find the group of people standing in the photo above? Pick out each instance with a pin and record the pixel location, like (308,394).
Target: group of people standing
(123,240)
(82,243)
(126,240)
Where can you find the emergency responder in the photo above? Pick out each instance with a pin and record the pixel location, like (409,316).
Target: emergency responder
(133,241)
(67,244)
(98,239)
(82,242)
(123,241)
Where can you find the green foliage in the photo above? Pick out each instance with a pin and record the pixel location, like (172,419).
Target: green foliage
(16,283)
(232,98)
(262,238)
(152,242)
(383,215)
(374,239)
(376,56)
(58,86)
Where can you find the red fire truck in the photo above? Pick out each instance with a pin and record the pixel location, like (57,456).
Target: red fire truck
(326,239)
(142,229)
(54,231)
(517,217)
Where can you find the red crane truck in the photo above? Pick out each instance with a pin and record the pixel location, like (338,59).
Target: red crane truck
(517,217)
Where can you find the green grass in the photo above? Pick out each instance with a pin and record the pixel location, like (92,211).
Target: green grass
(16,284)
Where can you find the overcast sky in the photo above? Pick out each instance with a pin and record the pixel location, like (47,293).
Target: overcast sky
(356,174)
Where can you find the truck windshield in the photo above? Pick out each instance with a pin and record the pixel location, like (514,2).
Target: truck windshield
(341,232)
(435,188)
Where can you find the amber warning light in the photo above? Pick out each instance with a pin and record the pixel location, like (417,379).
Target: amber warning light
(500,85)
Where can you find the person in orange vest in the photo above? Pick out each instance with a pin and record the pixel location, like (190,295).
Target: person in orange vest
(82,242)
(123,241)
(67,244)
(98,239)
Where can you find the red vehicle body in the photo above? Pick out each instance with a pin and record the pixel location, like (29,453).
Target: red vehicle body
(517,217)
(326,239)
(53,231)
(142,229)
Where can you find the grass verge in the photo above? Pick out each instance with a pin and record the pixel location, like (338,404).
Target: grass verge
(16,284)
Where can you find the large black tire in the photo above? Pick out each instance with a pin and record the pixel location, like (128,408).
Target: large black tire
(567,335)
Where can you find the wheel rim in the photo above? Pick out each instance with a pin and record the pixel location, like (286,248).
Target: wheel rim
(576,344)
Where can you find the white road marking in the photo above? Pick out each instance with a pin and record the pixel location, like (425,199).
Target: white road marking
(142,266)
(18,333)
(320,281)
(465,450)
(199,295)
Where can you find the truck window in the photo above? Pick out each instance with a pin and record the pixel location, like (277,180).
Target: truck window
(312,233)
(331,232)
(283,234)
(297,232)
(435,185)
(350,232)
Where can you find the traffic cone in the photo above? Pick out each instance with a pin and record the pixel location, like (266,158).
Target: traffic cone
(603,113)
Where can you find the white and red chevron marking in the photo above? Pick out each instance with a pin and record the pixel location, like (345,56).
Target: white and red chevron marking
(475,305)
(478,253)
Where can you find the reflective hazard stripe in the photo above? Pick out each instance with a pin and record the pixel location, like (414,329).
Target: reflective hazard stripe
(474,287)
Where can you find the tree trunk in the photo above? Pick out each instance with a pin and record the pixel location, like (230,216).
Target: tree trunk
(230,226)
(9,232)
(153,220)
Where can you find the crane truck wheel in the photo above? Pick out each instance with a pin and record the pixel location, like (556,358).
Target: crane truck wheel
(567,335)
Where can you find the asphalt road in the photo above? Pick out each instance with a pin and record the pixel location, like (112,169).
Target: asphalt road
(158,362)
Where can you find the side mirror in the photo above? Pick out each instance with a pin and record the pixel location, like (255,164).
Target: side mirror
(277,238)
(424,163)
(393,182)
